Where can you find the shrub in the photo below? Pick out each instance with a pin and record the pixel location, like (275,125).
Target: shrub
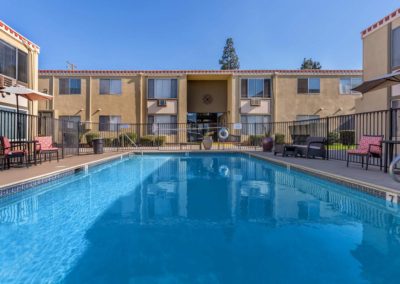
(152,140)
(333,137)
(160,140)
(255,140)
(124,141)
(110,142)
(90,136)
(348,137)
(279,138)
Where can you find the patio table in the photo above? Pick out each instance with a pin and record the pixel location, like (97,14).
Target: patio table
(389,146)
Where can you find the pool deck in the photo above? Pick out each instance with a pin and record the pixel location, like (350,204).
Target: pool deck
(18,175)
(337,170)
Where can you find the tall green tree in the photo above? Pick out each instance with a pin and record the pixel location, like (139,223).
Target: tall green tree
(310,64)
(229,59)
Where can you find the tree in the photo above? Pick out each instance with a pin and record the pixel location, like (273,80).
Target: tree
(229,59)
(310,64)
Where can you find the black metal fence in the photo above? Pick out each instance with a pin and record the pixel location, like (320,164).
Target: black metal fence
(342,133)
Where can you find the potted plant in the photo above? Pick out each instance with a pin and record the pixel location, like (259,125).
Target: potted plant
(207,141)
(279,143)
(267,143)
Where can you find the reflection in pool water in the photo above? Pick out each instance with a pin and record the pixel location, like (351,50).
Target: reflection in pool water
(212,218)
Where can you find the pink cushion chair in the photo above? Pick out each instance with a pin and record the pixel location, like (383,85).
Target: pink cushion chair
(369,146)
(13,150)
(45,146)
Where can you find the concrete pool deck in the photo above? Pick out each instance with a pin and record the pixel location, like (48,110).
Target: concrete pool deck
(337,170)
(19,175)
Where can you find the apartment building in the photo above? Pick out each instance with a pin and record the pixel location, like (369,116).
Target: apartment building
(381,55)
(202,96)
(18,65)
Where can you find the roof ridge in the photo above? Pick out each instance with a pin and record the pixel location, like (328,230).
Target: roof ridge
(387,19)
(237,71)
(7,29)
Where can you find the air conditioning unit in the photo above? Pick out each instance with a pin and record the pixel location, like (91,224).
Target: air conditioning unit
(255,102)
(162,103)
(6,82)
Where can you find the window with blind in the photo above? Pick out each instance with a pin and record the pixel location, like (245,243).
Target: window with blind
(69,86)
(162,124)
(347,84)
(109,122)
(162,89)
(308,86)
(13,62)
(395,50)
(255,124)
(110,86)
(22,70)
(256,88)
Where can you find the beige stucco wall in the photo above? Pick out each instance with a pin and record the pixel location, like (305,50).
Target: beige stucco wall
(375,63)
(123,104)
(217,89)
(289,104)
(33,57)
(134,107)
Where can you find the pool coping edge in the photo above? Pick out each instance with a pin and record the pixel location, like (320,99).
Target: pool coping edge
(21,185)
(372,189)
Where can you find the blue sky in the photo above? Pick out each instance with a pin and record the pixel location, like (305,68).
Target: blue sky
(190,34)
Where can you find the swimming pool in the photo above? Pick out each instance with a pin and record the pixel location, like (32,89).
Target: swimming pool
(197,218)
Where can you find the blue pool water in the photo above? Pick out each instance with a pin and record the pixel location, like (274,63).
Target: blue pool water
(198,218)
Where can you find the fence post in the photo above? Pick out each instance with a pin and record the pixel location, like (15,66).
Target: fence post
(158,136)
(79,126)
(390,123)
(118,140)
(327,137)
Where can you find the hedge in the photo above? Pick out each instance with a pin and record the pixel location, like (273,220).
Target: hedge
(152,140)
(348,137)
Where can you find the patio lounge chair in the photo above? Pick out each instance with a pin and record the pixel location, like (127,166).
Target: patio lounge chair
(13,149)
(313,147)
(45,147)
(369,146)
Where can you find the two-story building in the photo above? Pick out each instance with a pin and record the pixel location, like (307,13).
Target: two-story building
(381,55)
(18,65)
(209,96)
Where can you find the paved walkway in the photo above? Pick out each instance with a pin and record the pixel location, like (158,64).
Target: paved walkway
(14,175)
(373,176)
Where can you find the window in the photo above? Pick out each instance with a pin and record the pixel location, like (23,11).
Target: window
(109,122)
(256,88)
(308,85)
(162,88)
(13,62)
(255,124)
(110,86)
(70,86)
(70,121)
(162,124)
(347,84)
(395,50)
(22,66)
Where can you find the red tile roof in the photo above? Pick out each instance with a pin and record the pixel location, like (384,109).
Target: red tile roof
(200,72)
(385,20)
(7,29)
